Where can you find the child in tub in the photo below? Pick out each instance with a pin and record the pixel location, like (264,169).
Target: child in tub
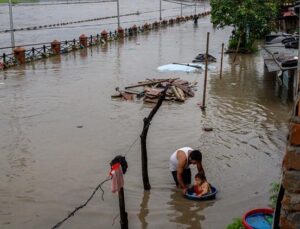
(201,186)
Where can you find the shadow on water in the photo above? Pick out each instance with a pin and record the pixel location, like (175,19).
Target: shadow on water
(186,212)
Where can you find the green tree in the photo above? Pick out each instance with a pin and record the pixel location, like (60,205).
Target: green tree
(250,19)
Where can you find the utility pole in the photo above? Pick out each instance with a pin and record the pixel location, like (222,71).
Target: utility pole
(12,35)
(181,9)
(118,9)
(159,9)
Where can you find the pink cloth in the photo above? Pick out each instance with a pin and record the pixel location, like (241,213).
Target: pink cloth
(117,180)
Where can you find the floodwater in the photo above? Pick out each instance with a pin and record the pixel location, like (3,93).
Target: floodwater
(25,16)
(60,129)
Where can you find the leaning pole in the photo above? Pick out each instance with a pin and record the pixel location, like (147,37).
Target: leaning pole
(143,136)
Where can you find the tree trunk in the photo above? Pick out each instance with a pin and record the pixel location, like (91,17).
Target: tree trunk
(237,48)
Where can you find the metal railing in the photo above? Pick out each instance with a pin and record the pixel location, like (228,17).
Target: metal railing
(45,51)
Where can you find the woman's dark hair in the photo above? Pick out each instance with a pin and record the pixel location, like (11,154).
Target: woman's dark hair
(196,155)
(201,175)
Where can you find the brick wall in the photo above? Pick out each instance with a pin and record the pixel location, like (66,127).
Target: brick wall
(290,210)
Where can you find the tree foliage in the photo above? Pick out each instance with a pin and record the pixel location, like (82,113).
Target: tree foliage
(251,19)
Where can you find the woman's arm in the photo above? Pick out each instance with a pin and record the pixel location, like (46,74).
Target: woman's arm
(200,167)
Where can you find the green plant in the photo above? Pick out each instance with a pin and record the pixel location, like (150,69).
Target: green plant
(274,189)
(250,19)
(236,224)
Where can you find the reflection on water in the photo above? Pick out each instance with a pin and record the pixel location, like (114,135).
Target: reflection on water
(186,212)
(144,211)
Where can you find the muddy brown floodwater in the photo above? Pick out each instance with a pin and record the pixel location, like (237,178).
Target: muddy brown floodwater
(48,165)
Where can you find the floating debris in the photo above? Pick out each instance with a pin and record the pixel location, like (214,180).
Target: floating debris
(202,57)
(179,90)
(185,67)
(176,67)
(206,128)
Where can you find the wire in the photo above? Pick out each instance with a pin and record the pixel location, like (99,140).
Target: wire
(81,26)
(51,26)
(95,190)
(177,2)
(62,24)
(83,205)
(61,3)
(114,219)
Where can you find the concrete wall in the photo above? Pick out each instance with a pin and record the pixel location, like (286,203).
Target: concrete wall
(290,210)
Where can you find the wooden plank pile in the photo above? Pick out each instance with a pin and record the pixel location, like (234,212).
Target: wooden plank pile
(150,89)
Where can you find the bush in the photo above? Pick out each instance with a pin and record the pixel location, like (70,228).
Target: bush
(237,224)
(274,193)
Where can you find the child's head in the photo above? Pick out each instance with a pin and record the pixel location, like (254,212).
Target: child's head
(200,177)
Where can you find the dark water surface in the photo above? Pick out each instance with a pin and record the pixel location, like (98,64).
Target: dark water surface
(48,165)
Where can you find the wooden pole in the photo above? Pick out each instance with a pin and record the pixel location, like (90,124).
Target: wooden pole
(123,213)
(237,49)
(222,53)
(205,77)
(147,121)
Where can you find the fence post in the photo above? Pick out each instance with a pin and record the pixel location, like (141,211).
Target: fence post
(19,54)
(33,51)
(4,58)
(55,46)
(205,77)
(222,54)
(91,40)
(123,213)
(44,49)
(83,40)
(104,35)
(120,32)
(134,29)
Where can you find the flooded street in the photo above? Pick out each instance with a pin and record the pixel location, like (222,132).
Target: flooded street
(60,129)
(34,16)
